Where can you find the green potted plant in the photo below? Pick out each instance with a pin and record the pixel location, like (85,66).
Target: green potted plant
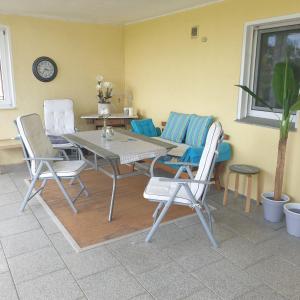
(285,87)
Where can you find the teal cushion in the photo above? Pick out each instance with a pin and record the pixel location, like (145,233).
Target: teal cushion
(144,127)
(176,127)
(197,130)
(193,154)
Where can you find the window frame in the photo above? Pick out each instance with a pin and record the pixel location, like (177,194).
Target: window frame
(9,101)
(248,65)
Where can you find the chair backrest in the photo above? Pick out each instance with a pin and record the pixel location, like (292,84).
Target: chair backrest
(59,116)
(34,139)
(208,158)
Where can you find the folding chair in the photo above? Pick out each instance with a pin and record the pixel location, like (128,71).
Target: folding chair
(43,162)
(188,192)
(59,120)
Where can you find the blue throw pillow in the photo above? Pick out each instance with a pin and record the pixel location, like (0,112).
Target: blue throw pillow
(176,127)
(197,130)
(144,127)
(193,155)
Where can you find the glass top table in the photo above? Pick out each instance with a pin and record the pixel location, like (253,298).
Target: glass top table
(124,147)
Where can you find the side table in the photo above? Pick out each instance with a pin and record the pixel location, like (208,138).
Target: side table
(249,172)
(115,120)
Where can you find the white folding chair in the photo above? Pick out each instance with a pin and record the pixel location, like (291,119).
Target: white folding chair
(43,162)
(189,192)
(59,120)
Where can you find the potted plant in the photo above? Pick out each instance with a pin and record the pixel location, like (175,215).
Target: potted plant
(104,94)
(285,87)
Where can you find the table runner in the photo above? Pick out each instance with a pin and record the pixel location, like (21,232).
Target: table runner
(124,145)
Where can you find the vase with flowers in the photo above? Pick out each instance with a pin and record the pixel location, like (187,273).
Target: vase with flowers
(104,94)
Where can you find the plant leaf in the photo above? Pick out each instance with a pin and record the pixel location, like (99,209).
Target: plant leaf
(284,84)
(295,106)
(252,94)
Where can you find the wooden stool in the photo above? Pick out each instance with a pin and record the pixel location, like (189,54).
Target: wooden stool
(248,171)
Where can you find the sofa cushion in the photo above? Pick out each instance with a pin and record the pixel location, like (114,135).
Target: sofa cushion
(197,130)
(144,127)
(176,127)
(193,154)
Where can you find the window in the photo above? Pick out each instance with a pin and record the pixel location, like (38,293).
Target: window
(7,97)
(265,44)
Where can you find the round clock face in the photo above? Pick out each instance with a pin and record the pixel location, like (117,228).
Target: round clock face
(44,69)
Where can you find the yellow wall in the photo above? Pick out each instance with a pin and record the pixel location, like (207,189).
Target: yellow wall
(165,69)
(169,71)
(80,50)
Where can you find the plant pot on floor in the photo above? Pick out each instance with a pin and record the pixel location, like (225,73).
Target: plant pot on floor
(292,217)
(273,210)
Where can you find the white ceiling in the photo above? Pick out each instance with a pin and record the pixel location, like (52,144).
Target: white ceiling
(98,11)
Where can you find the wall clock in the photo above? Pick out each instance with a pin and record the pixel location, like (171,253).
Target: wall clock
(44,69)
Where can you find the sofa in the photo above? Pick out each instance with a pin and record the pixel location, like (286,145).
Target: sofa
(188,132)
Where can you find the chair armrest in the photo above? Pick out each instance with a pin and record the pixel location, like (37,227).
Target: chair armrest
(181,163)
(179,180)
(44,158)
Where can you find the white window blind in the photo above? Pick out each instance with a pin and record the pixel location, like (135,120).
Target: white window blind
(7,96)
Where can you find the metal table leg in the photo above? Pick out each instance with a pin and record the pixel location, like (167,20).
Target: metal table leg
(112,200)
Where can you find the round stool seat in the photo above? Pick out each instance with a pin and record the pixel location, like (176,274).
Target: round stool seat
(244,169)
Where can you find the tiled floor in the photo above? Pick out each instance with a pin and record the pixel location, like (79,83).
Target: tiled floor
(255,260)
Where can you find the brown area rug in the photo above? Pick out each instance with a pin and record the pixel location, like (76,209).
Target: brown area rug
(90,226)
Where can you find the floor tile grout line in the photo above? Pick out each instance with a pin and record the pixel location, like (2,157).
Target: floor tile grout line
(243,236)
(39,276)
(27,252)
(60,256)
(264,282)
(130,273)
(226,259)
(10,273)
(270,287)
(57,252)
(15,234)
(17,216)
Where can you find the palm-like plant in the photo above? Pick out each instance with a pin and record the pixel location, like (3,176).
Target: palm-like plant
(285,87)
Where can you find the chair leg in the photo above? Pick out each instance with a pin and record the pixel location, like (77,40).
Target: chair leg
(62,188)
(236,186)
(72,181)
(31,187)
(65,193)
(206,227)
(202,218)
(207,209)
(248,200)
(219,167)
(42,186)
(156,212)
(82,185)
(162,214)
(225,199)
(159,219)
(258,190)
